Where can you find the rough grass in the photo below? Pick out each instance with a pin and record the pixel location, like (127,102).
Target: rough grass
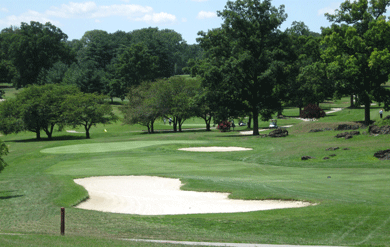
(352,189)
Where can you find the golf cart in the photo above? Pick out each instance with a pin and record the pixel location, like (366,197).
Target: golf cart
(273,124)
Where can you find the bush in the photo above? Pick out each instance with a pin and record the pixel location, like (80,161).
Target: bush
(312,111)
(224,126)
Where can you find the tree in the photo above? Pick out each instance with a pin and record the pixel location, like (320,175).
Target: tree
(243,56)
(137,64)
(305,76)
(87,109)
(357,51)
(35,47)
(34,109)
(86,76)
(142,107)
(180,100)
(3,151)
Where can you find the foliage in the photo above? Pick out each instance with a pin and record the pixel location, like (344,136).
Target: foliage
(141,107)
(312,111)
(243,56)
(357,51)
(87,110)
(37,46)
(3,152)
(34,109)
(137,64)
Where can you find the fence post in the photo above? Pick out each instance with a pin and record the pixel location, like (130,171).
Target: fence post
(62,221)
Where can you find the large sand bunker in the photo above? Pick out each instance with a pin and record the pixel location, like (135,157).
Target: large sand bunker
(145,195)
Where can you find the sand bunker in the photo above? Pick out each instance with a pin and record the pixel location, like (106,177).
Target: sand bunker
(145,195)
(214,149)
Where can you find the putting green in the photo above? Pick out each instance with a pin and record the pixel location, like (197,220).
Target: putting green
(111,146)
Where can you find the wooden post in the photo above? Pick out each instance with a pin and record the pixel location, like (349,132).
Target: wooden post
(62,221)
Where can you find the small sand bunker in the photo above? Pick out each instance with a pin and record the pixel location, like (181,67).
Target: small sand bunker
(145,195)
(215,149)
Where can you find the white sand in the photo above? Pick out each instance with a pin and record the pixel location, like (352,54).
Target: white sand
(144,195)
(214,149)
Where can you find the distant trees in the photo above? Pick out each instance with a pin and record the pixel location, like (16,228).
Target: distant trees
(41,108)
(34,47)
(165,98)
(101,62)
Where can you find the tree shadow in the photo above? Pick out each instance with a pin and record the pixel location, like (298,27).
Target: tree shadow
(57,138)
(8,196)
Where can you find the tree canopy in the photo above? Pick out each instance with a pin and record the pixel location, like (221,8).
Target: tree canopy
(357,51)
(243,56)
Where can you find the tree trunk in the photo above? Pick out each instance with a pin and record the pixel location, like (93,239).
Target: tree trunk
(367,107)
(87,131)
(174,124)
(255,122)
(38,132)
(249,121)
(152,126)
(352,103)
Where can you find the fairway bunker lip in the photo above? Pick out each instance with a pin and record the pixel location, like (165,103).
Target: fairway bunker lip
(145,195)
(215,149)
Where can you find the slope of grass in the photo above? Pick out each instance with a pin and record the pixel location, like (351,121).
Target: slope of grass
(352,189)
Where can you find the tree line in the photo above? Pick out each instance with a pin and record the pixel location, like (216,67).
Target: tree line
(246,67)
(100,62)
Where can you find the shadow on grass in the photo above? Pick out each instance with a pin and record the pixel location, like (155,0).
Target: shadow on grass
(8,196)
(57,138)
(144,132)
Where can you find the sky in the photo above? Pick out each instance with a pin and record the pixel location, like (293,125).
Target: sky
(186,17)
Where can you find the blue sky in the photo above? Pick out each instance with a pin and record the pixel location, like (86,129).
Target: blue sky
(186,17)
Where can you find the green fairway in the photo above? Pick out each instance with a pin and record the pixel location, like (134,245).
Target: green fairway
(351,190)
(110,147)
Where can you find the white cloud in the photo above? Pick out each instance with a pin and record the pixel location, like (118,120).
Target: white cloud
(199,0)
(91,10)
(14,20)
(330,9)
(158,18)
(206,15)
(72,9)
(3,10)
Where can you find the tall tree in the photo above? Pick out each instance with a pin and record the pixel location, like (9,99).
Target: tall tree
(357,50)
(37,46)
(243,57)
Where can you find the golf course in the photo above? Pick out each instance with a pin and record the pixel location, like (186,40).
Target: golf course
(348,193)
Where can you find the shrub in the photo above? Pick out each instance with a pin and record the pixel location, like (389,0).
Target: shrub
(312,111)
(224,126)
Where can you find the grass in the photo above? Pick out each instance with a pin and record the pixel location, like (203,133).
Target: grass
(352,189)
